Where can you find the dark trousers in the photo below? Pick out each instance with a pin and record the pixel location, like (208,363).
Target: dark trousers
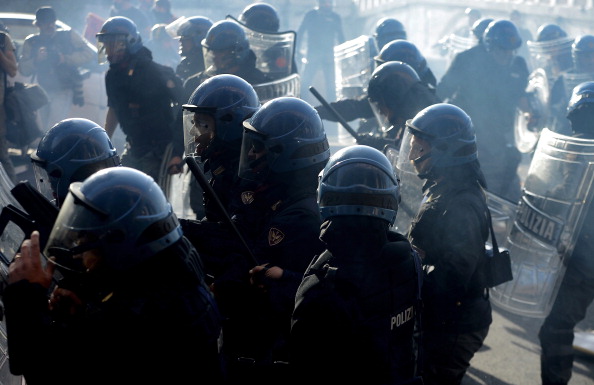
(446,356)
(575,294)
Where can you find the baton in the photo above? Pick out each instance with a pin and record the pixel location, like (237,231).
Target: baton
(334,112)
(199,175)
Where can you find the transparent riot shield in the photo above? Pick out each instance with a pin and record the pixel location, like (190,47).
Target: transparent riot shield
(552,56)
(529,124)
(353,62)
(288,86)
(275,52)
(457,44)
(572,79)
(556,195)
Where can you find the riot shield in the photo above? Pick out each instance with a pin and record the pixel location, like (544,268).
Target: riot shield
(528,125)
(572,79)
(353,63)
(288,86)
(552,56)
(275,52)
(556,196)
(10,241)
(457,44)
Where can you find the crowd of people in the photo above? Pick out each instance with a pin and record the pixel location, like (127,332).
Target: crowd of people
(292,266)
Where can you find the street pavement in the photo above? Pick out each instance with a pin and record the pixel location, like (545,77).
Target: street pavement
(511,353)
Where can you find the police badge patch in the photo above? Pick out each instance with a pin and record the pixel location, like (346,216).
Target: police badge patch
(275,236)
(247,197)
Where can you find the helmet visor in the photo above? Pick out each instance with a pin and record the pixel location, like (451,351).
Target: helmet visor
(111,48)
(380,113)
(360,174)
(254,158)
(47,184)
(199,131)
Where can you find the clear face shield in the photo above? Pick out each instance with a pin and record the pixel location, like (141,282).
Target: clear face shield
(381,114)
(199,131)
(254,158)
(221,61)
(414,155)
(46,184)
(111,48)
(71,243)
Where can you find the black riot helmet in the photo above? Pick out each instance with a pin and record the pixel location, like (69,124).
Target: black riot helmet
(582,52)
(580,109)
(502,34)
(548,32)
(388,29)
(479,27)
(230,100)
(195,29)
(69,152)
(261,17)
(284,136)
(359,180)
(226,45)
(120,212)
(120,36)
(389,84)
(450,132)
(404,51)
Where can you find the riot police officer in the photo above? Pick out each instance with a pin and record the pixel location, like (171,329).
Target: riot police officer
(407,52)
(261,17)
(133,286)
(582,52)
(363,290)
(449,232)
(143,97)
(489,85)
(227,51)
(190,35)
(395,93)
(576,292)
(71,151)
(386,30)
(284,147)
(213,130)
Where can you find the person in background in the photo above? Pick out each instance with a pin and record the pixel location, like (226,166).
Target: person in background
(127,9)
(357,309)
(449,232)
(132,286)
(163,47)
(319,31)
(190,35)
(8,68)
(162,12)
(517,18)
(141,96)
(489,85)
(386,30)
(53,56)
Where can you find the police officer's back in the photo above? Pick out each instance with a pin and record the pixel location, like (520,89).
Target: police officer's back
(357,305)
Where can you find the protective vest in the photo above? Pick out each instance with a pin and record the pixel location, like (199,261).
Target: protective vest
(384,298)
